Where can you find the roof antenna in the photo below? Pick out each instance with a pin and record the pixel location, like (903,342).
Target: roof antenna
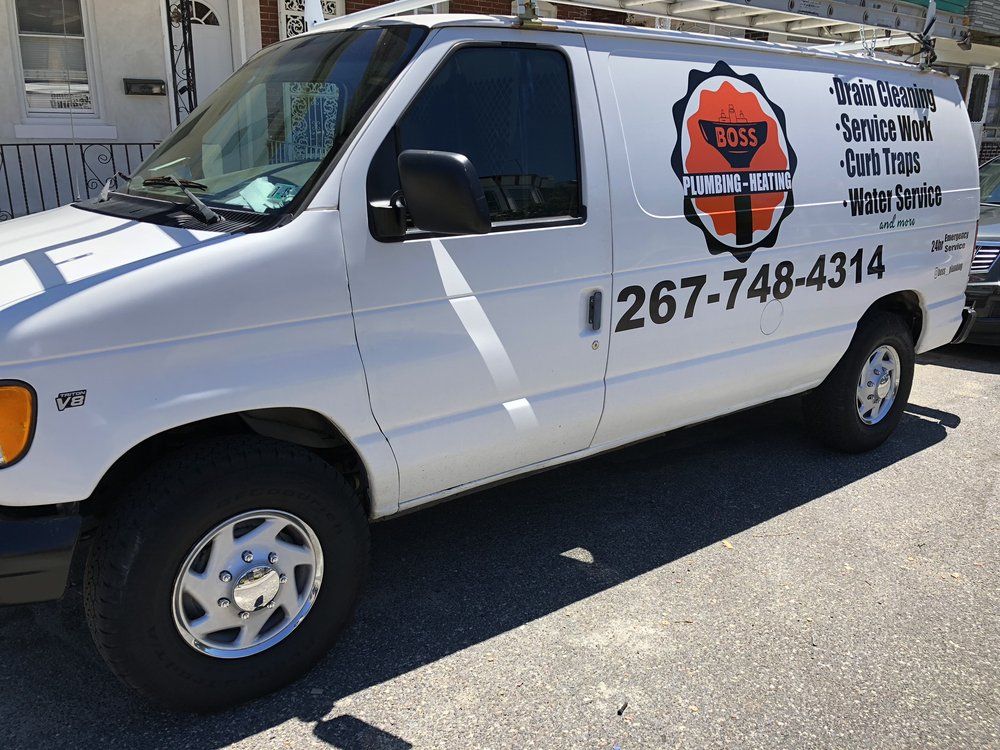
(313,10)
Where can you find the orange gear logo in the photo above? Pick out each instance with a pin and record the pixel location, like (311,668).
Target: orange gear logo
(733,160)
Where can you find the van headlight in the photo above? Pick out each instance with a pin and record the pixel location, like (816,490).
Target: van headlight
(17,421)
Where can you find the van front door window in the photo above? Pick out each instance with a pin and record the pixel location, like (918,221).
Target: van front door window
(514,123)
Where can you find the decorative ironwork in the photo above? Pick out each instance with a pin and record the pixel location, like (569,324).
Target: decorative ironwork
(314,111)
(291,15)
(39,176)
(181,57)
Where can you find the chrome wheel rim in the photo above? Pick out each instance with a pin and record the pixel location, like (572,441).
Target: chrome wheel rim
(878,384)
(247,584)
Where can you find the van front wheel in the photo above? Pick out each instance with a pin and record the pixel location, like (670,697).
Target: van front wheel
(862,400)
(225,572)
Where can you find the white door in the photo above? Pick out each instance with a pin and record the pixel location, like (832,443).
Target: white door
(213,45)
(478,352)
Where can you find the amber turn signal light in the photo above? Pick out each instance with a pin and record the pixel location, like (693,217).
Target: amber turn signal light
(17,422)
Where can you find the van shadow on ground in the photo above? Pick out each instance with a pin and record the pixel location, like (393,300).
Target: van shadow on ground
(460,573)
(972,357)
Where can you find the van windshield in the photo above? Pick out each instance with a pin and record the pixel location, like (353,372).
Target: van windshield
(989,182)
(263,135)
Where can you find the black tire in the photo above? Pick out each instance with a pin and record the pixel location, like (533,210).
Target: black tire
(141,546)
(831,411)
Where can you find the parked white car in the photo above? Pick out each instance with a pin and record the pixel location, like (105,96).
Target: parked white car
(385,265)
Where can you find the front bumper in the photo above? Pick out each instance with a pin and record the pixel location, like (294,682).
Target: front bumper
(985,299)
(35,556)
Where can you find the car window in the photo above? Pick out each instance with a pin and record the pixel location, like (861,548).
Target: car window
(264,134)
(989,182)
(510,111)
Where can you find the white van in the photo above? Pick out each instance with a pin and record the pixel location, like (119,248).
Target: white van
(388,264)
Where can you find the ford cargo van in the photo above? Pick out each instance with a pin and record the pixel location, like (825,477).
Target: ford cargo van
(388,264)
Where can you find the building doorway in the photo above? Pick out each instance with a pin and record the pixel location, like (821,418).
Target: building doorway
(213,45)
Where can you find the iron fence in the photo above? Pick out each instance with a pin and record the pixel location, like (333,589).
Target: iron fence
(38,176)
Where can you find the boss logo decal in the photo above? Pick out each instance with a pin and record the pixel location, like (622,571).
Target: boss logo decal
(70,399)
(733,160)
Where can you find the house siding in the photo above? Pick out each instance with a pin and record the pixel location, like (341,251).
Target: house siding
(124,40)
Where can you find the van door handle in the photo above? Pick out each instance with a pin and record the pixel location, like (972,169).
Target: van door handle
(594,311)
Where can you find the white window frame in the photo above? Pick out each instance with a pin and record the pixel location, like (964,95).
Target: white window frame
(58,117)
(211,10)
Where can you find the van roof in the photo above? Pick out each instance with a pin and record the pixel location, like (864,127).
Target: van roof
(439,20)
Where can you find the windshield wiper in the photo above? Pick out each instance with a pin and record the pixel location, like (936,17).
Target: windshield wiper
(207,214)
(170,179)
(106,190)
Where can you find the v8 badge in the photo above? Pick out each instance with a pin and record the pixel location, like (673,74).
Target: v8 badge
(70,399)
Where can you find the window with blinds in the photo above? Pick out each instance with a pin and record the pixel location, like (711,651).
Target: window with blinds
(53,56)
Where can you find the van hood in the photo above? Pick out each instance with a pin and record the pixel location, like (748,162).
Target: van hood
(69,278)
(69,245)
(74,282)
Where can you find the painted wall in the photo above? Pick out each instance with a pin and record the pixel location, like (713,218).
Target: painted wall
(125,39)
(129,43)
(10,106)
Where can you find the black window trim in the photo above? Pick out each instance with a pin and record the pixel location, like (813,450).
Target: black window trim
(512,225)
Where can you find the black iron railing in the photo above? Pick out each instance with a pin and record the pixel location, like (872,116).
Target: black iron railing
(38,176)
(181,58)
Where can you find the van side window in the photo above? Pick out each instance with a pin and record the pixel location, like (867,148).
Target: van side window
(978,96)
(510,111)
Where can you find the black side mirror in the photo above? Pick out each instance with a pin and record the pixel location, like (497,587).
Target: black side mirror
(442,192)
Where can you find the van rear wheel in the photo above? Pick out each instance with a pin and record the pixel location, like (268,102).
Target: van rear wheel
(862,400)
(225,572)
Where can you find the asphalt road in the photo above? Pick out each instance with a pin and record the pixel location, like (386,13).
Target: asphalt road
(730,585)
